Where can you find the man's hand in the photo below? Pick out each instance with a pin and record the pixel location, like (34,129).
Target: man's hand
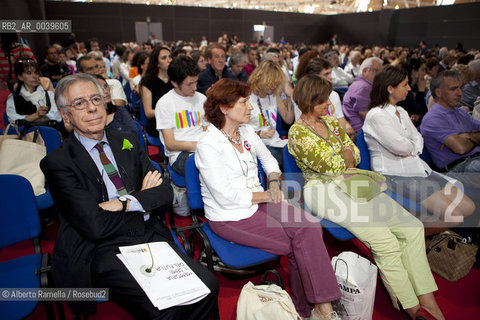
(112,205)
(151,180)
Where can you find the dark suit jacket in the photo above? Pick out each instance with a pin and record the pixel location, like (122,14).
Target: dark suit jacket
(77,188)
(208,77)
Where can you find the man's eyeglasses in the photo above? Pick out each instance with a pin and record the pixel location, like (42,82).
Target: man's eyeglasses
(82,103)
(374,69)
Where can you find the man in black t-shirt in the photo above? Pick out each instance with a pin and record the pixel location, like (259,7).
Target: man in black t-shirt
(54,69)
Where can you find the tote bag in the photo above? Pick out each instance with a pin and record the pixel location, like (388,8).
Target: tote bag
(22,158)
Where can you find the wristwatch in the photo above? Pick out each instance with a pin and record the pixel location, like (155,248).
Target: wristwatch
(124,201)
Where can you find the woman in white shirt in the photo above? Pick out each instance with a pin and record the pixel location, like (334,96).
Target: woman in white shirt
(241,211)
(268,82)
(395,146)
(30,101)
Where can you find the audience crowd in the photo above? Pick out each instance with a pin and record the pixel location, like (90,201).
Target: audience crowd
(259,98)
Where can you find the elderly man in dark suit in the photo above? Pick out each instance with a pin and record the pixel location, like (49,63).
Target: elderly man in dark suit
(109,195)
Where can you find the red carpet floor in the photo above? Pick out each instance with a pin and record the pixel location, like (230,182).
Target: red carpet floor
(458,300)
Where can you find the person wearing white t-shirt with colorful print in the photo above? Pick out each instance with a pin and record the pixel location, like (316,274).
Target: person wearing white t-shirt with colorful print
(179,113)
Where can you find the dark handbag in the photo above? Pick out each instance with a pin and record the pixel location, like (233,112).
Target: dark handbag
(449,256)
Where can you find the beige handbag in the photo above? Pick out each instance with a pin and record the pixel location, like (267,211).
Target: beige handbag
(265,302)
(22,155)
(449,256)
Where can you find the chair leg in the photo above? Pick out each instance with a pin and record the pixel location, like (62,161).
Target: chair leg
(49,310)
(60,310)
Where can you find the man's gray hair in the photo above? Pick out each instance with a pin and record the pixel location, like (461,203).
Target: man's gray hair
(438,80)
(236,58)
(66,82)
(475,66)
(367,63)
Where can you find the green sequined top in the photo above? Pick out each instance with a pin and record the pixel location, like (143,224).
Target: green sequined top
(318,159)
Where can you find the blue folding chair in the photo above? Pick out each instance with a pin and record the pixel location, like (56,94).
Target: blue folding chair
(19,221)
(153,141)
(293,181)
(232,257)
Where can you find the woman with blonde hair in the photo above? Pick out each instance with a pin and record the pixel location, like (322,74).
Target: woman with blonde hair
(268,82)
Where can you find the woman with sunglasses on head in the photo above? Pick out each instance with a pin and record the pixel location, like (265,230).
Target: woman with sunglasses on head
(29,101)
(337,191)
(154,84)
(241,211)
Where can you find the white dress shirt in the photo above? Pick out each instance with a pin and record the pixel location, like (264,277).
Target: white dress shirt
(228,178)
(395,144)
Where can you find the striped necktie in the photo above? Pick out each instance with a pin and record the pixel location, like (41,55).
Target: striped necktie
(110,169)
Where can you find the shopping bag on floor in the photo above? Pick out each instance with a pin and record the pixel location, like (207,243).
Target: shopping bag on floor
(357,279)
(266,301)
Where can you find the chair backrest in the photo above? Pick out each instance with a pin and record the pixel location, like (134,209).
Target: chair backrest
(292,175)
(425,156)
(19,219)
(52,137)
(5,119)
(192,183)
(140,135)
(364,152)
(143,117)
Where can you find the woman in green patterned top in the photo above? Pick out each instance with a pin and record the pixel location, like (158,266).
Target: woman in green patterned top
(353,198)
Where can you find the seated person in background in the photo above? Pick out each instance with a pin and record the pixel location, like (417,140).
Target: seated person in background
(252,60)
(323,68)
(100,210)
(451,135)
(88,64)
(29,101)
(471,91)
(155,84)
(102,69)
(139,66)
(267,83)
(340,78)
(179,113)
(237,62)
(353,65)
(118,118)
(240,210)
(357,97)
(216,67)
(54,69)
(395,145)
(199,58)
(64,59)
(327,157)
(415,103)
(476,109)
